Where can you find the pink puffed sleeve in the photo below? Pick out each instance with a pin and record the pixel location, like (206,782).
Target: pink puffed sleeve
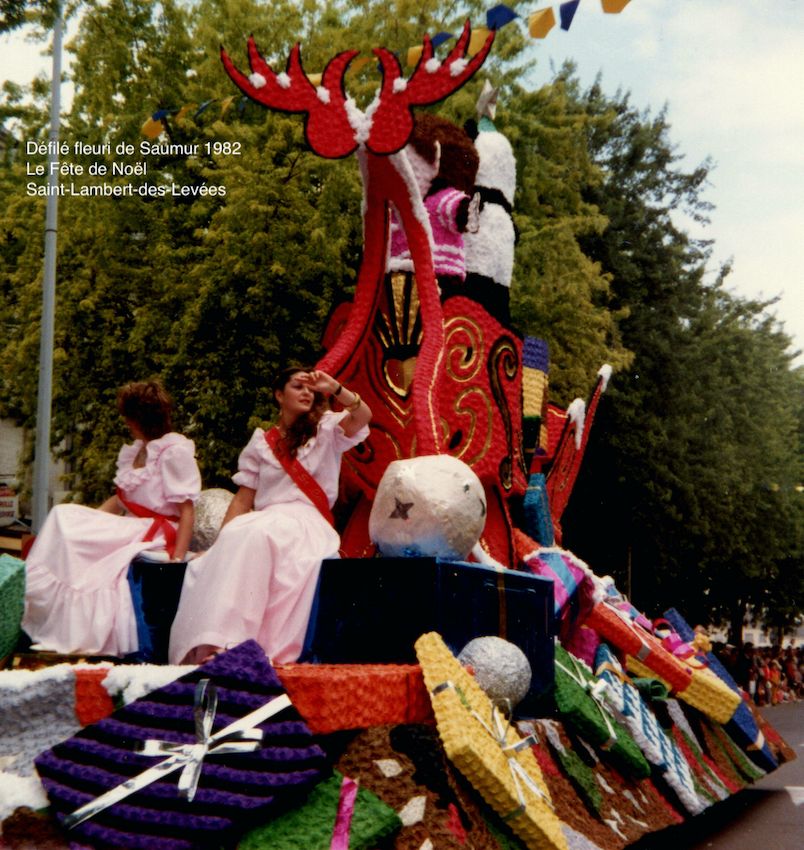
(126,455)
(248,464)
(329,428)
(181,479)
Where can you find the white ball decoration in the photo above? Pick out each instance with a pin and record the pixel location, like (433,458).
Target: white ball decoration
(430,506)
(500,667)
(210,510)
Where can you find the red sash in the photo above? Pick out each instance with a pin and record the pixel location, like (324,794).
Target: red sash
(299,475)
(160,522)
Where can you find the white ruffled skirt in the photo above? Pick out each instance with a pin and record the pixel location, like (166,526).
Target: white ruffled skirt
(77,597)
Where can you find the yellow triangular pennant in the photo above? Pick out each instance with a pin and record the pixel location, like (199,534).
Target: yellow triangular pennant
(226,104)
(183,111)
(152,129)
(614,7)
(541,22)
(477,40)
(414,54)
(358,64)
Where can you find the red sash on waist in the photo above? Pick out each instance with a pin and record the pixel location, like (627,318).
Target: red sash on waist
(299,475)
(161,522)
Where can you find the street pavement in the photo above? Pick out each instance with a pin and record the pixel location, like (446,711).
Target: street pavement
(766,816)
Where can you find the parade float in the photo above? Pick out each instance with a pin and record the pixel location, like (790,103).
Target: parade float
(466,681)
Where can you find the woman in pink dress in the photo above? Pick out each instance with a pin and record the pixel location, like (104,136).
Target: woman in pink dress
(77,596)
(258,579)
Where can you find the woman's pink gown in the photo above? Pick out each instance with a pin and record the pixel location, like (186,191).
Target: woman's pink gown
(258,579)
(77,597)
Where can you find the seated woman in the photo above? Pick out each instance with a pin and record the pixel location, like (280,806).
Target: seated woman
(258,579)
(77,597)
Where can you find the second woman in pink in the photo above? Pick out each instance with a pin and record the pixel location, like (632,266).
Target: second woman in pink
(258,579)
(77,596)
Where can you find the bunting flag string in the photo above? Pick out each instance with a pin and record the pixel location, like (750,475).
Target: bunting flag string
(440,37)
(204,106)
(539,24)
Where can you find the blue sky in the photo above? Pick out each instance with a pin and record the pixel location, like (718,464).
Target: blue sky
(731,73)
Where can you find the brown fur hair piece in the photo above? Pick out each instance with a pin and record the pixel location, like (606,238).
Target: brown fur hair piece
(459,159)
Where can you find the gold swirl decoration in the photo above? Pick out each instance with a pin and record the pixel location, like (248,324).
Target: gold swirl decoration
(503,370)
(468,416)
(471,421)
(464,344)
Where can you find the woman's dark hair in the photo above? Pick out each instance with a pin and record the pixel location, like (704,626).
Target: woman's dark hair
(305,425)
(147,404)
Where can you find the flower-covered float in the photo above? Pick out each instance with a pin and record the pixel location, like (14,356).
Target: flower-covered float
(466,682)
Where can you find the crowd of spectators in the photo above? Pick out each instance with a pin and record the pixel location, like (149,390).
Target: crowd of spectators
(770,674)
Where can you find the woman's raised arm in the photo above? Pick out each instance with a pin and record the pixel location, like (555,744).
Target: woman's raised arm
(359,413)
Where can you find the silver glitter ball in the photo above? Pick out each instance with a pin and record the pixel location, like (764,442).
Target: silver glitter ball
(500,668)
(210,510)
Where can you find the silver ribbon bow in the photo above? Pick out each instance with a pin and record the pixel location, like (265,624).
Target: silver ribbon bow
(499,733)
(242,736)
(597,690)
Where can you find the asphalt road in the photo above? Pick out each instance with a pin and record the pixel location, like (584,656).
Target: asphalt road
(766,816)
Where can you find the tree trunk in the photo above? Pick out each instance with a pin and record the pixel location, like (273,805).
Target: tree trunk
(736,623)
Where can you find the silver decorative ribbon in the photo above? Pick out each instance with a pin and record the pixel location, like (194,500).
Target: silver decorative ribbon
(242,736)
(499,733)
(596,690)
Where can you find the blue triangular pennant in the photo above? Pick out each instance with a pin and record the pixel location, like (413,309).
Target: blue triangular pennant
(499,16)
(567,13)
(440,38)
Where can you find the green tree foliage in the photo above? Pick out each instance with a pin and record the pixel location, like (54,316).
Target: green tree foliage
(560,293)
(15,13)
(12,14)
(214,292)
